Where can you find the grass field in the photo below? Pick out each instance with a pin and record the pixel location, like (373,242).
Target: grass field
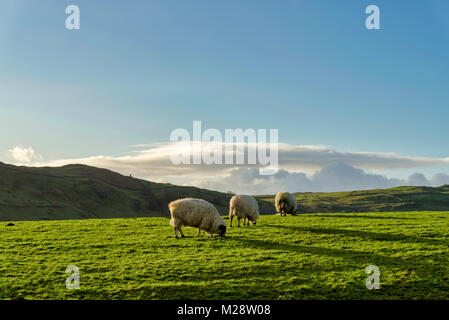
(310,256)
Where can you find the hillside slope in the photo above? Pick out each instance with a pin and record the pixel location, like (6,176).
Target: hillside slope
(82,192)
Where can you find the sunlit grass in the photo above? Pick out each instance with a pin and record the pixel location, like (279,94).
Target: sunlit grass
(311,256)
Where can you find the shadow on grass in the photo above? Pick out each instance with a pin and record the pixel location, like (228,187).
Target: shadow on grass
(368,235)
(350,215)
(362,256)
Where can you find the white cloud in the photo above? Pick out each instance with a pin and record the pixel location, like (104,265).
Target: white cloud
(24,155)
(302,168)
(248,181)
(418,179)
(155,162)
(316,157)
(439,179)
(333,177)
(340,176)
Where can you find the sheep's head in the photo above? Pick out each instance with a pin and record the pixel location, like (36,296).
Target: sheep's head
(284,206)
(255,220)
(222,230)
(281,205)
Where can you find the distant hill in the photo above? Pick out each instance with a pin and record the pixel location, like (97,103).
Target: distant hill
(82,192)
(378,200)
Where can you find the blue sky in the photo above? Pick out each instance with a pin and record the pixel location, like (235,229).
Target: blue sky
(136,70)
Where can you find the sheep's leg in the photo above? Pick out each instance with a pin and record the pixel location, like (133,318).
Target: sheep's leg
(230,224)
(247,222)
(176,233)
(182,234)
(199,232)
(238,225)
(210,235)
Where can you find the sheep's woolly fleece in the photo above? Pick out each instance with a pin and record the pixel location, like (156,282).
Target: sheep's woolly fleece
(243,206)
(196,213)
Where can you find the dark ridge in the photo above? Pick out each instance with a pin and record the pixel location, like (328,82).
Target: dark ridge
(80,192)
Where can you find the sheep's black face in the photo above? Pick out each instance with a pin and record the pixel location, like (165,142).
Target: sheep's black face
(283,206)
(222,231)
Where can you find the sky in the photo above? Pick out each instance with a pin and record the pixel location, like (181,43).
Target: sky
(111,93)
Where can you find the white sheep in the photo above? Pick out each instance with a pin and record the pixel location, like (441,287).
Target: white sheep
(285,203)
(196,213)
(243,207)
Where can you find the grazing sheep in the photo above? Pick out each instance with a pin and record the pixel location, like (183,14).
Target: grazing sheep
(243,207)
(285,203)
(196,213)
